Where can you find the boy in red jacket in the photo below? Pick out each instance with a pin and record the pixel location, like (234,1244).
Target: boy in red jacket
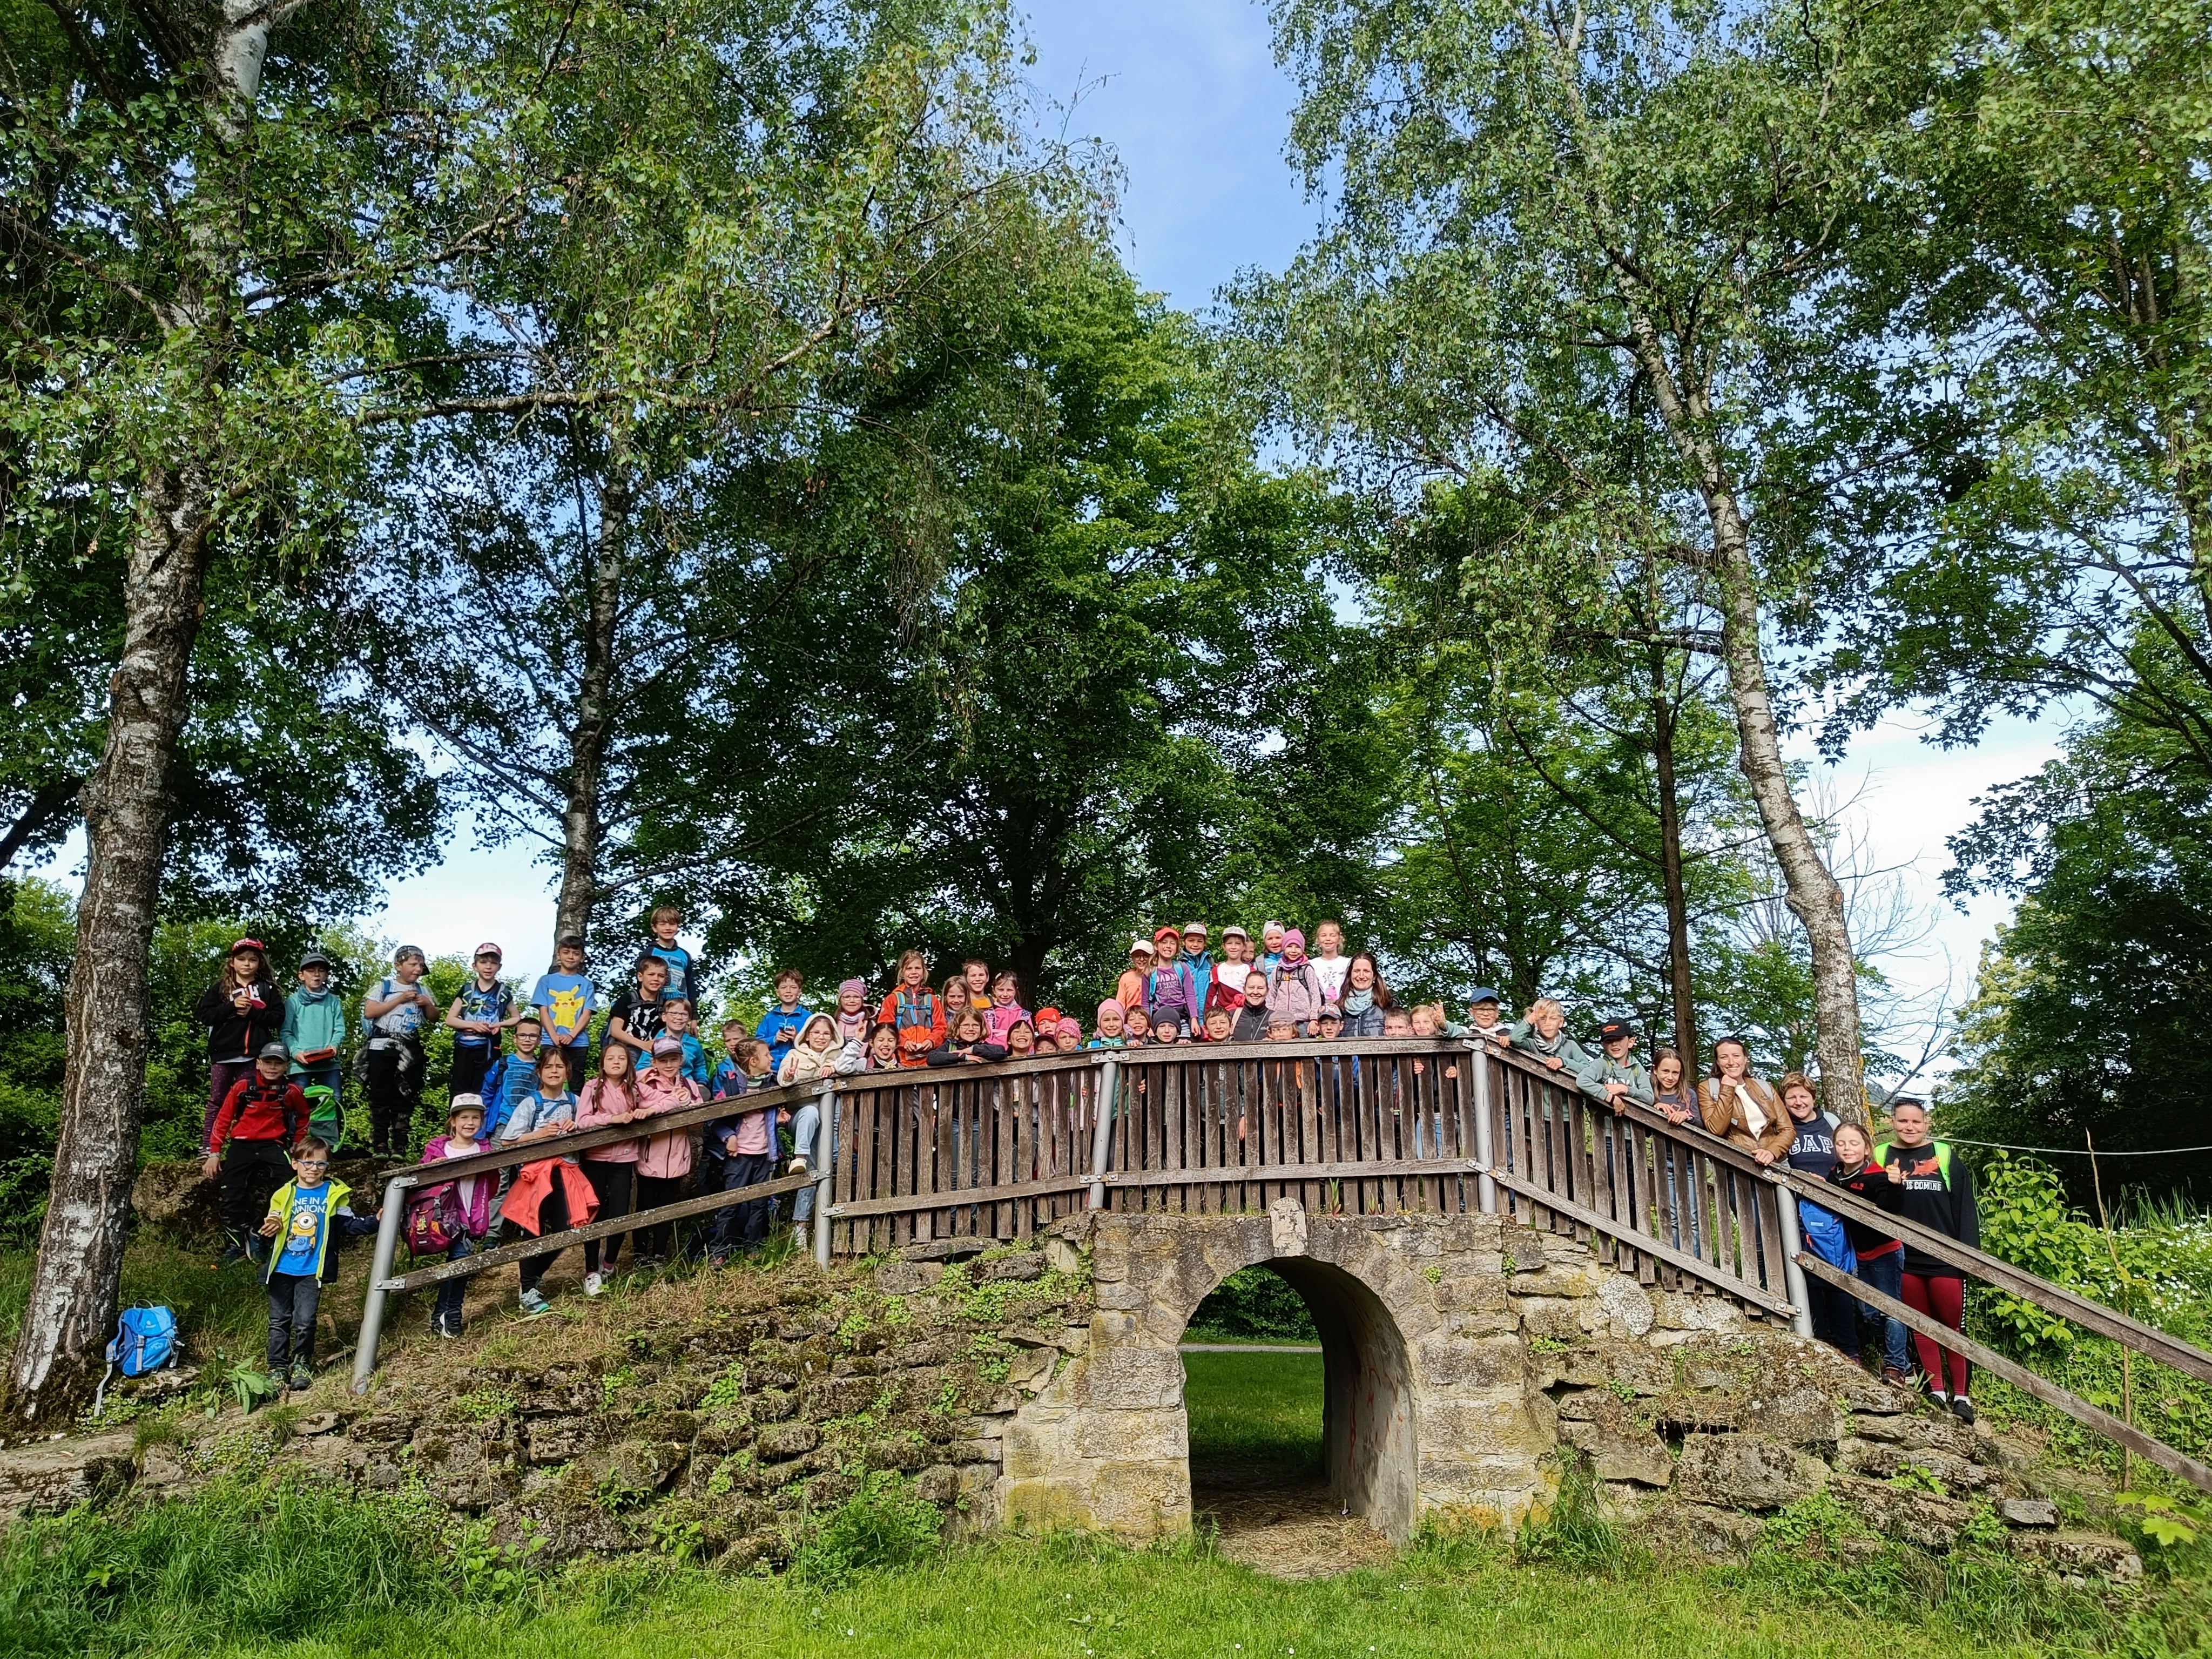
(262,1116)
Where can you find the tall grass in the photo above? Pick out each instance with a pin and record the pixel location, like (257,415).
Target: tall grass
(244,1561)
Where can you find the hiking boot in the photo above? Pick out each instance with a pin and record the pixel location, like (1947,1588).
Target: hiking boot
(449,1329)
(532,1303)
(303,1376)
(1962,1408)
(1893,1374)
(593,1284)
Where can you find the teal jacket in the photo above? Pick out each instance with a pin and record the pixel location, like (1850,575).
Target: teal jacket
(1603,1068)
(313,1019)
(1527,1042)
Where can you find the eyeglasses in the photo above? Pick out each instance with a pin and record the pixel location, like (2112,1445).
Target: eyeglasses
(314,1164)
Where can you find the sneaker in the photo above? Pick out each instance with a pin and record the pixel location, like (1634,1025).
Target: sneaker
(303,1376)
(532,1303)
(718,1258)
(802,1233)
(230,1253)
(593,1284)
(1962,1408)
(1897,1376)
(449,1332)
(799,1163)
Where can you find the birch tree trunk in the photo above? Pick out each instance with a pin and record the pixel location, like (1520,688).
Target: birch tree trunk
(77,1280)
(1810,890)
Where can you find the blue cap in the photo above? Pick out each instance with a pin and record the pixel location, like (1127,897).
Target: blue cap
(1485,994)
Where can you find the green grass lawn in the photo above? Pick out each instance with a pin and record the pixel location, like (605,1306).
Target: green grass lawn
(1261,1406)
(1032,1601)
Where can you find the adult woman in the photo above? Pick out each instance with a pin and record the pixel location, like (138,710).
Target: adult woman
(609,1099)
(1738,1107)
(1936,1190)
(242,1012)
(1366,998)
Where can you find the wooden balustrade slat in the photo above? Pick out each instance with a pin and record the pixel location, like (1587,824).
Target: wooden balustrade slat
(2112,1428)
(484,1261)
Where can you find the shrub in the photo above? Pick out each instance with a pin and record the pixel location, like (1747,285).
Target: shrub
(884,1524)
(1257,1303)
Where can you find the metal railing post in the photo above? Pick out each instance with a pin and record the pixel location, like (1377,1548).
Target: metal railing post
(825,1134)
(1793,1276)
(1486,1189)
(379,1269)
(1102,1138)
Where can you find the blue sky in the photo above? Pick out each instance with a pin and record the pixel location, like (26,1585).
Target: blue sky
(1189,96)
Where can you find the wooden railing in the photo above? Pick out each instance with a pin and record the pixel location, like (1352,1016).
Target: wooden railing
(1431,1127)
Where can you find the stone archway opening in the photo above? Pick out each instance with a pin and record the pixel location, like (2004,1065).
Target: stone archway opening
(1321,1474)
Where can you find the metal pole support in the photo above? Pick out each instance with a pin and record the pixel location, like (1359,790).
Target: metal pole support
(825,1135)
(1793,1276)
(1102,1138)
(1486,1189)
(379,1269)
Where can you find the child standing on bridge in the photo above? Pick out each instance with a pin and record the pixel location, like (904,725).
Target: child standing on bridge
(469,1206)
(1936,1190)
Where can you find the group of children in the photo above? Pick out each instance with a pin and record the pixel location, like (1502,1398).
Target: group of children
(524,1071)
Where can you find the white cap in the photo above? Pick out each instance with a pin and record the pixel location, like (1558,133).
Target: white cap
(1232,931)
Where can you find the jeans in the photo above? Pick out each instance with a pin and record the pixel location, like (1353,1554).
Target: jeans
(1886,1272)
(744,1226)
(806,1135)
(446,1312)
(293,1300)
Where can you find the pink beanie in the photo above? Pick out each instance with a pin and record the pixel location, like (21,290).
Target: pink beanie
(1068,1028)
(1108,1005)
(1294,941)
(859,988)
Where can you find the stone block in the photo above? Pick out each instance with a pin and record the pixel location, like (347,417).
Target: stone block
(1031,1368)
(786,1440)
(2027,1511)
(1628,1302)
(840,1396)
(1527,1249)
(1881,1461)
(1457,1362)
(1021,1267)
(939,1484)
(901,1278)
(1565,1278)
(557,1439)
(1682,1310)
(1560,1318)
(1133,1436)
(1802,1417)
(1031,1451)
(49,1477)
(2084,1555)
(1129,1377)
(1915,1517)
(1719,1534)
(1920,1432)
(1746,1471)
(1138,1501)
(1620,1454)
(1044,1504)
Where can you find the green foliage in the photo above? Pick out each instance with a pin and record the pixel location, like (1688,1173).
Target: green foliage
(1254,1303)
(1576,1536)
(883,1525)
(244,1560)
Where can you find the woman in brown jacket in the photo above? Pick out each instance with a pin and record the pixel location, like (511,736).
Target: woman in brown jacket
(1740,1108)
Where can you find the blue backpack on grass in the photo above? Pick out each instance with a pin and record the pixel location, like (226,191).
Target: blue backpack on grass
(145,1341)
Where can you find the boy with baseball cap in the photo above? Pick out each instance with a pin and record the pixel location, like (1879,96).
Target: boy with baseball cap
(481,1011)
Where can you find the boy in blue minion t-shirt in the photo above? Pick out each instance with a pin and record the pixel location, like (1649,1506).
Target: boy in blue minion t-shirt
(306,1217)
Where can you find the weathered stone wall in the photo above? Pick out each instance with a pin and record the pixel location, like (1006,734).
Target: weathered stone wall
(1468,1359)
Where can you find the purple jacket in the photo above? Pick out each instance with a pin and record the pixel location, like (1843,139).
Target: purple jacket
(476,1215)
